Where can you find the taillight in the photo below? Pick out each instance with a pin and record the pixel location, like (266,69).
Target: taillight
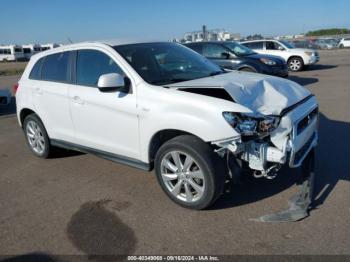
(15,88)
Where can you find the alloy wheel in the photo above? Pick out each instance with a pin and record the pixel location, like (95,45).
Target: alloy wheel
(182,176)
(35,137)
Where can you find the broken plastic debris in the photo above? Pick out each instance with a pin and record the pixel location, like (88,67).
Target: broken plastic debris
(299,204)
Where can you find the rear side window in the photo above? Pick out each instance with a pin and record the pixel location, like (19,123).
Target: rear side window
(55,67)
(196,47)
(91,64)
(254,45)
(214,51)
(35,74)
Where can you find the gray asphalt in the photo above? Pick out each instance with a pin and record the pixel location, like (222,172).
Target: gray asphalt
(80,204)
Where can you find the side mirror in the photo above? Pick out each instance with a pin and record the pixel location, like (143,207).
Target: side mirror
(281,48)
(111,82)
(225,55)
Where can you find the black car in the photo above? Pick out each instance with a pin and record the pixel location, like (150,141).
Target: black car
(231,55)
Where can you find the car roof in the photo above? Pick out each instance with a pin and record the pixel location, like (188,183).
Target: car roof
(260,40)
(88,44)
(208,42)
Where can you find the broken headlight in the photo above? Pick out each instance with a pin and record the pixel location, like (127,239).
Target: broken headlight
(248,126)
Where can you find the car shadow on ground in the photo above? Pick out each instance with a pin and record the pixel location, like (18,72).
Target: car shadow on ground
(9,109)
(304,81)
(332,165)
(31,257)
(320,67)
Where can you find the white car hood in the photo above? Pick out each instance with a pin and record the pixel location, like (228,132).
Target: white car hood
(263,94)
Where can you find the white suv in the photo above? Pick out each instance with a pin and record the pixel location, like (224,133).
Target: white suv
(162,105)
(297,58)
(345,42)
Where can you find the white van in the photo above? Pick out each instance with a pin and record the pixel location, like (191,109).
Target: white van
(31,49)
(11,53)
(49,46)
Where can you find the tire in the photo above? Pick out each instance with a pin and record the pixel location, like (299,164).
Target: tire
(341,46)
(295,64)
(36,136)
(202,184)
(248,69)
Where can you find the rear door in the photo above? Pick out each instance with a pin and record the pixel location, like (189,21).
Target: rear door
(257,46)
(104,121)
(50,83)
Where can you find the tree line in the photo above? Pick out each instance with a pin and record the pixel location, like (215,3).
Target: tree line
(331,31)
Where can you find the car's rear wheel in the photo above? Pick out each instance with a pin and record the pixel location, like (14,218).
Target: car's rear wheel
(189,172)
(247,69)
(295,64)
(36,136)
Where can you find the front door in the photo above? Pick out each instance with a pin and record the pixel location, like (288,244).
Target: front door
(104,121)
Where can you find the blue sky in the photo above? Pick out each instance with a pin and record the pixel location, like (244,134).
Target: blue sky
(54,21)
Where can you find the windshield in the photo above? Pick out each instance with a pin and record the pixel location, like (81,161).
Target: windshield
(238,49)
(165,63)
(288,44)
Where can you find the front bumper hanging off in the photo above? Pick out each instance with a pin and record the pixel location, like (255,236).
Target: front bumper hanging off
(300,203)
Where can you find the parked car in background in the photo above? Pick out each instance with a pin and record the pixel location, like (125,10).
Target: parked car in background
(5,97)
(11,53)
(297,58)
(31,49)
(234,56)
(326,43)
(162,105)
(306,43)
(345,42)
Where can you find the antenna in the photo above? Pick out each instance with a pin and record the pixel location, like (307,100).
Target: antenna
(69,40)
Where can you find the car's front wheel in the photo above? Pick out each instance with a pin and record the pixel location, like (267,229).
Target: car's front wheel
(189,172)
(295,64)
(36,136)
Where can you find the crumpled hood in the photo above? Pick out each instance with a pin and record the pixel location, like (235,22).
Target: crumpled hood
(263,94)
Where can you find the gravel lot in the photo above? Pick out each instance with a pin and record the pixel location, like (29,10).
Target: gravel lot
(81,204)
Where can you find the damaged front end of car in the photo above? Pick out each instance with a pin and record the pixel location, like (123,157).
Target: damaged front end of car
(266,143)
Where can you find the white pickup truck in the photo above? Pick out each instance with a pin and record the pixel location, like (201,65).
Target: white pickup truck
(162,105)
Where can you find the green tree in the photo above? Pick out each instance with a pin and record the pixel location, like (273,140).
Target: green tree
(330,31)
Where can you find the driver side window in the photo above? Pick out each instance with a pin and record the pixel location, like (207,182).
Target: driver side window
(214,51)
(270,45)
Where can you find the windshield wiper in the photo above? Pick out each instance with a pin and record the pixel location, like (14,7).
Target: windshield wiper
(170,81)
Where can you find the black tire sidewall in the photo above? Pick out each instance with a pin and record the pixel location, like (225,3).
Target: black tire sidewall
(204,159)
(247,69)
(36,119)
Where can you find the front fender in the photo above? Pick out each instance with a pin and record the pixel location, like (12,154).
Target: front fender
(200,115)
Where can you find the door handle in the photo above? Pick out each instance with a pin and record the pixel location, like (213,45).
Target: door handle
(77,100)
